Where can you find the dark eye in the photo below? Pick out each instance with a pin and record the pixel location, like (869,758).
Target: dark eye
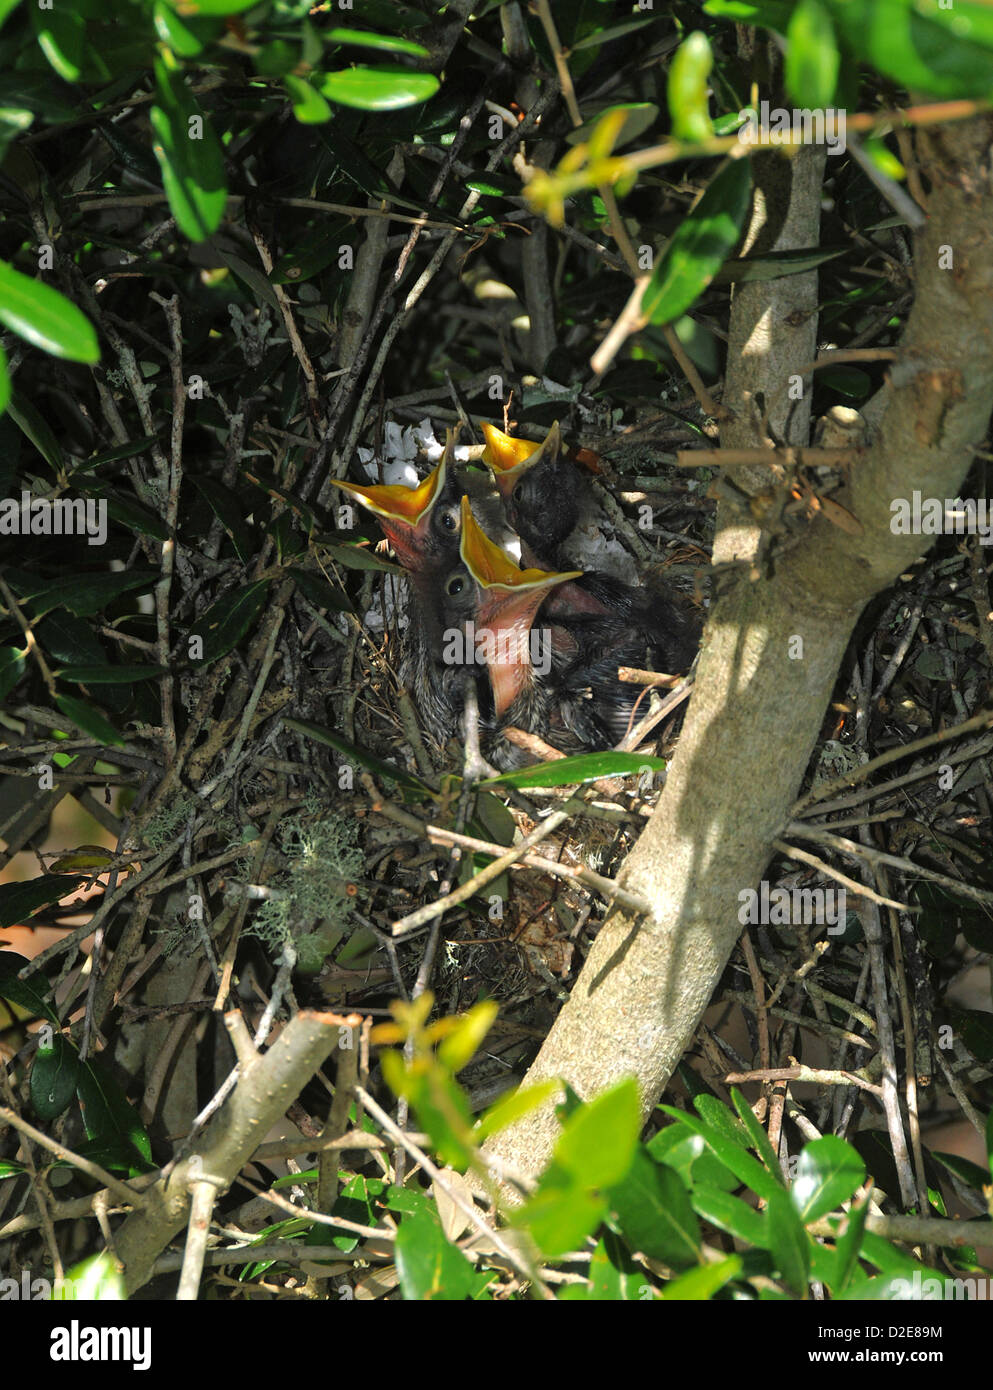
(456,585)
(518,493)
(449,519)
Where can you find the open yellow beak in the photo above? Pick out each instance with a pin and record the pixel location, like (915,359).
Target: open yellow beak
(511,458)
(509,601)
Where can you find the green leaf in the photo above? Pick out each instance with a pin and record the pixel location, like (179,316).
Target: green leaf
(108,1116)
(513,1107)
(189,155)
(318,591)
(461,1045)
(36,428)
(354,557)
(812,59)
(361,38)
(848,1246)
(224,505)
(357,1201)
(614,1276)
(184,36)
(13,661)
(89,594)
(99,1277)
(655,1215)
(217,7)
(828,1172)
(54,1073)
(61,35)
(309,107)
(788,1241)
(27,994)
(89,720)
(224,623)
(639,116)
(730,1214)
(701,1284)
(687,89)
(45,318)
(375,765)
(10,1168)
(701,244)
(559,1219)
(597,1143)
(584,767)
(431,1268)
(109,675)
(770,14)
(378,88)
(943,53)
(745,1168)
(971,1174)
(773,265)
(19,901)
(757,1135)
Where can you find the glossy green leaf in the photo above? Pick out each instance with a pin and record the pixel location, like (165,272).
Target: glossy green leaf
(812,58)
(189,155)
(513,1107)
(788,1241)
(89,720)
(98,1278)
(225,622)
(702,243)
(225,506)
(759,1139)
(355,557)
(584,767)
(730,1214)
(13,663)
(186,36)
(362,38)
(653,1210)
(431,1268)
(89,594)
(61,34)
(770,14)
(687,89)
(828,1172)
(597,1143)
(316,589)
(36,428)
(559,1219)
(699,1285)
(19,901)
(377,88)
(45,318)
(747,1169)
(849,1244)
(54,1072)
(357,1201)
(614,1276)
(309,107)
(108,1115)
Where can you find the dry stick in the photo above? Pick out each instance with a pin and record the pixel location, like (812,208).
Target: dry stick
(915,1230)
(203,1197)
(465,1206)
(887,1051)
(968,1110)
(292,332)
(817,1075)
(682,692)
(38,1187)
(882,789)
(983,720)
(853,885)
(174,475)
(895,861)
(606,887)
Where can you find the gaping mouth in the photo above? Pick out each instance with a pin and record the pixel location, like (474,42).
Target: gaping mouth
(404,513)
(509,601)
(511,458)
